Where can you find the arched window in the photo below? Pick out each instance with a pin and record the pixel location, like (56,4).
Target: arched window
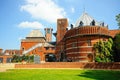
(81,23)
(92,23)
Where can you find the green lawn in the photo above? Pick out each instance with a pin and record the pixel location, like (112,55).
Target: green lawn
(59,74)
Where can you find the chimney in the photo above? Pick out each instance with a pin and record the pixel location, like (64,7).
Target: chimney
(62,24)
(48,34)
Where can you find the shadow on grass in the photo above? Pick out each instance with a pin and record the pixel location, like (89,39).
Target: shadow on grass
(101,74)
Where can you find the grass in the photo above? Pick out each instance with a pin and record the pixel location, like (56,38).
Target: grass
(59,74)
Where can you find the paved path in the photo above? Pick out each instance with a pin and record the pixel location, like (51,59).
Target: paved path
(4,67)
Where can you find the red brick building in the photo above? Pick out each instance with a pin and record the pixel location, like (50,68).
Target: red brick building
(76,44)
(36,44)
(6,56)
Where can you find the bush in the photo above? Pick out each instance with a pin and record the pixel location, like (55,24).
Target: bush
(27,58)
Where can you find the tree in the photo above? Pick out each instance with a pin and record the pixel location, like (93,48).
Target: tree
(118,19)
(103,51)
(116,48)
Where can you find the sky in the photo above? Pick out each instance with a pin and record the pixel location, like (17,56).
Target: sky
(19,17)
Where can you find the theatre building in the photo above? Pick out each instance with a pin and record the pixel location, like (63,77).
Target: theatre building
(76,44)
(73,43)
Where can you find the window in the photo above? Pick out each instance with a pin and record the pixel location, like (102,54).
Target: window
(71,26)
(92,23)
(47,48)
(102,24)
(1,60)
(81,23)
(89,42)
(9,60)
(23,49)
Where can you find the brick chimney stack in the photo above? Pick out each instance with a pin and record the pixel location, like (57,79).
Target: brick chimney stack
(62,25)
(48,34)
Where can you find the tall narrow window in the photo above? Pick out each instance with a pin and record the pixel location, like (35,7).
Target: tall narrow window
(89,42)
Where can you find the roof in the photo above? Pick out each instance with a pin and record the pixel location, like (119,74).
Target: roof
(114,32)
(86,20)
(35,33)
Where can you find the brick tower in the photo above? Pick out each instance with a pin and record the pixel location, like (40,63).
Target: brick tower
(62,25)
(48,34)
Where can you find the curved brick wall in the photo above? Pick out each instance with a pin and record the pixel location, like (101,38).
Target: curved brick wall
(76,41)
(87,30)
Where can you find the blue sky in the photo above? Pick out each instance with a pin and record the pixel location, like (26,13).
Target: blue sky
(19,17)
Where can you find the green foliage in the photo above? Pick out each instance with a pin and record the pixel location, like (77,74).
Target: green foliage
(103,51)
(98,59)
(118,19)
(117,41)
(16,58)
(27,58)
(116,48)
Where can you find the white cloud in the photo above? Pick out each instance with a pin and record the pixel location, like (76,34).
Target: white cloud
(34,25)
(72,10)
(44,9)
(20,38)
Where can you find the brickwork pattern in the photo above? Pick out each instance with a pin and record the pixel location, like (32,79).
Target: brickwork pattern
(80,65)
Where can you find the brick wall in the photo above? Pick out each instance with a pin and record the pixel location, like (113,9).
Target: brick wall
(80,65)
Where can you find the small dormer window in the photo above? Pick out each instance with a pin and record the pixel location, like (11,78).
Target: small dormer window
(92,23)
(81,23)
(71,26)
(103,24)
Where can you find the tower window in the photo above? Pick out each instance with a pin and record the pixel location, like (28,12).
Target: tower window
(102,24)
(92,23)
(81,23)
